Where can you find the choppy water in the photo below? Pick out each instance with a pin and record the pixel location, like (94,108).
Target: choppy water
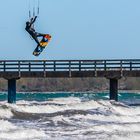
(70,116)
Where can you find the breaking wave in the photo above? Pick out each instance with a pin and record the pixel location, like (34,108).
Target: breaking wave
(69,118)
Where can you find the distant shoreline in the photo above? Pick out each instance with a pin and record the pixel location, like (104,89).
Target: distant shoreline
(82,92)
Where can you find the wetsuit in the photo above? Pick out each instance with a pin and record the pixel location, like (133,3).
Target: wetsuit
(30,29)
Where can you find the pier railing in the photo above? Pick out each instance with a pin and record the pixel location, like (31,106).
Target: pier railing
(69,65)
(113,70)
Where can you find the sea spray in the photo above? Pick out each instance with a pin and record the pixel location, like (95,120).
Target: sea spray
(69,118)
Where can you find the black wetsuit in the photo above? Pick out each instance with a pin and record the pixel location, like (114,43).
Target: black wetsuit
(30,29)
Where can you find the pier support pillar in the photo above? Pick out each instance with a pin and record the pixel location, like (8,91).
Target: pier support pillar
(11,90)
(114,89)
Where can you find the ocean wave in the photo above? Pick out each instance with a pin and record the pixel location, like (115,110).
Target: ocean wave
(72,106)
(71,118)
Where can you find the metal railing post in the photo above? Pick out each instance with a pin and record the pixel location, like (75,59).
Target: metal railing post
(29,66)
(44,68)
(4,66)
(95,68)
(121,67)
(79,65)
(69,68)
(54,65)
(19,72)
(130,66)
(105,65)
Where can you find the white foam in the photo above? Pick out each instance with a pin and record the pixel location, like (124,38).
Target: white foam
(73,104)
(23,134)
(5,111)
(70,100)
(55,108)
(10,131)
(106,118)
(6,126)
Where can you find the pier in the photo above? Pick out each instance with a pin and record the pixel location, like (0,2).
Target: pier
(113,70)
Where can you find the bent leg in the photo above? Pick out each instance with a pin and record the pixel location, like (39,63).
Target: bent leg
(36,39)
(40,35)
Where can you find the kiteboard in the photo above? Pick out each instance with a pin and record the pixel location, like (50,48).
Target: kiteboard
(42,45)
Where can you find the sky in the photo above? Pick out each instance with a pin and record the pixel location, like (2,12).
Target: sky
(80,29)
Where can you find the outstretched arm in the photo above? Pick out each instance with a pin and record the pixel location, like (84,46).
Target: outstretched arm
(33,19)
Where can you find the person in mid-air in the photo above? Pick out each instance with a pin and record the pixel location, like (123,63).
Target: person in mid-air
(30,29)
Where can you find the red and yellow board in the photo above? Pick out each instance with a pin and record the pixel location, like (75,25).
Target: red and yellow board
(43,43)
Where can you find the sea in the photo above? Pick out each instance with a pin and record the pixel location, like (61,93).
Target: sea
(70,116)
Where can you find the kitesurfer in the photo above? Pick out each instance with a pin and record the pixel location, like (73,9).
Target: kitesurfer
(30,29)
